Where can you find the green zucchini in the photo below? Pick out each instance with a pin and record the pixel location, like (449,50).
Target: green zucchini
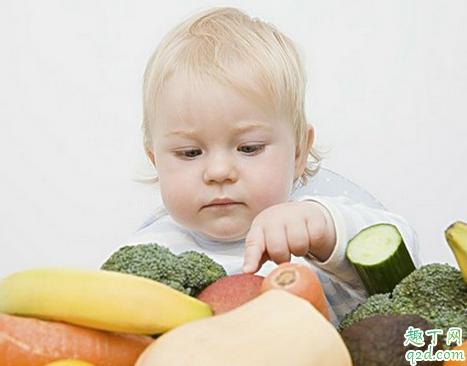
(380,257)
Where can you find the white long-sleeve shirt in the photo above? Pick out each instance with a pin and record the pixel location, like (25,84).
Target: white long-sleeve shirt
(342,285)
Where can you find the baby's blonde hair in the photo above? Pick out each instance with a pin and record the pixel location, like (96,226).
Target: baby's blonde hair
(227,46)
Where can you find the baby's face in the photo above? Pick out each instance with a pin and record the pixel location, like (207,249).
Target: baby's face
(221,158)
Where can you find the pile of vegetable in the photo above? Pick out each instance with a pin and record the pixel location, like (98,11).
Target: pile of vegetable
(109,316)
(435,292)
(432,297)
(104,317)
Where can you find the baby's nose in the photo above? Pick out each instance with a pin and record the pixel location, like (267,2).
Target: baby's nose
(220,169)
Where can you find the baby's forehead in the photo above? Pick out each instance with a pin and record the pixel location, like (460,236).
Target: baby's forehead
(181,98)
(185,85)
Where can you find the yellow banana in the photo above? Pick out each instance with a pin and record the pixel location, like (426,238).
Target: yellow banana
(69,363)
(456,236)
(99,299)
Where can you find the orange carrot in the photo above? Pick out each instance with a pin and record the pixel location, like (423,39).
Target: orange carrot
(298,280)
(33,342)
(462,347)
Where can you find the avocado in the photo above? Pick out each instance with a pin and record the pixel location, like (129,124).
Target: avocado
(379,340)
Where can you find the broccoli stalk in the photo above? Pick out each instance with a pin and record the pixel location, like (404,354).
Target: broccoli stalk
(190,272)
(435,291)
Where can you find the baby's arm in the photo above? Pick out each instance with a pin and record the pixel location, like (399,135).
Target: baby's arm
(326,247)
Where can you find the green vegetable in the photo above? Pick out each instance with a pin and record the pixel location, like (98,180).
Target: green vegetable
(374,305)
(380,257)
(435,291)
(190,272)
(199,271)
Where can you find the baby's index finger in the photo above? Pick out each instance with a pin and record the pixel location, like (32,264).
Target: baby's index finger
(254,249)
(252,258)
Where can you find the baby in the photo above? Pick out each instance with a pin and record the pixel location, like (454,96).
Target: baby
(225,128)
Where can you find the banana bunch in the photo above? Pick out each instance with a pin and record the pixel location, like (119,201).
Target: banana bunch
(456,236)
(98,299)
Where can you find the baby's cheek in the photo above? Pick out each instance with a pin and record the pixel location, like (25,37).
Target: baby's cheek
(177,199)
(272,183)
(274,193)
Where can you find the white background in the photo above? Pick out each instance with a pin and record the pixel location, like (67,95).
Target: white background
(387,96)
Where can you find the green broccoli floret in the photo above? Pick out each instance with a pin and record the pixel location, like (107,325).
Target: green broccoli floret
(375,304)
(436,292)
(189,272)
(200,271)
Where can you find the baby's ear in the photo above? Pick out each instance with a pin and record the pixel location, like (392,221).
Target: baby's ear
(151,156)
(301,155)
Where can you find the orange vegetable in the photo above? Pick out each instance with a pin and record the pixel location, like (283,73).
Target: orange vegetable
(33,342)
(300,281)
(462,347)
(275,328)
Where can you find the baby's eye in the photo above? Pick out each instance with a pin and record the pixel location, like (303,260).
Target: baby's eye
(251,149)
(188,153)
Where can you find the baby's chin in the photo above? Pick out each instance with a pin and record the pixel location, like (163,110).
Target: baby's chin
(222,229)
(224,236)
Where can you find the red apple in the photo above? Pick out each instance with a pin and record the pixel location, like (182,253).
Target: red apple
(231,291)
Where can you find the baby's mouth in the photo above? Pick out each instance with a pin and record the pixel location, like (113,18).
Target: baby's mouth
(222,203)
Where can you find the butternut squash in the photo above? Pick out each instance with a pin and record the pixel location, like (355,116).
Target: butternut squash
(276,328)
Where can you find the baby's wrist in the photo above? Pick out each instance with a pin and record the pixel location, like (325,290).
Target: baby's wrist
(321,250)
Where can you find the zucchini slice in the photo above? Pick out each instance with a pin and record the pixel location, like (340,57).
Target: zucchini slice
(380,257)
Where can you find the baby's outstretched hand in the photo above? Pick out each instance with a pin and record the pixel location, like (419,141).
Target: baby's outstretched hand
(289,228)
